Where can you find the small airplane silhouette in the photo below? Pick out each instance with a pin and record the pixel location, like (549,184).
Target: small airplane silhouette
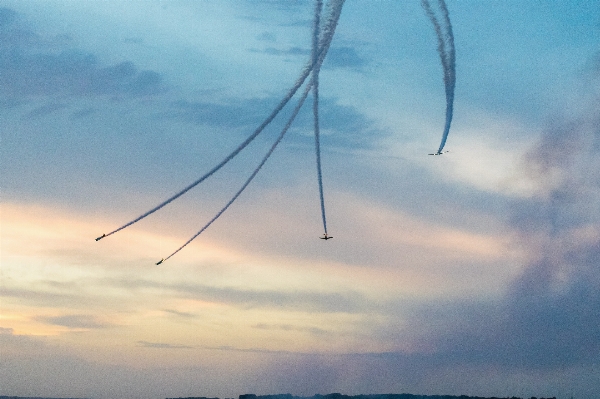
(326,237)
(101,237)
(438,153)
(160,261)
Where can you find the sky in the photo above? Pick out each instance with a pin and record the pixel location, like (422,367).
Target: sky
(476,272)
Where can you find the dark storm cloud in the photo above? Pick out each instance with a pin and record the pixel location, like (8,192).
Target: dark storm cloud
(32,65)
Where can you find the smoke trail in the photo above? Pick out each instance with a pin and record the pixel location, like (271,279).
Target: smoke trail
(315,88)
(283,132)
(328,31)
(443,31)
(327,36)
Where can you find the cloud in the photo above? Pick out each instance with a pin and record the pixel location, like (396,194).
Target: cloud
(180,314)
(43,110)
(293,51)
(160,345)
(342,126)
(73,321)
(34,367)
(290,327)
(337,57)
(44,298)
(549,317)
(267,37)
(228,348)
(7,17)
(556,301)
(82,113)
(34,65)
(344,57)
(309,301)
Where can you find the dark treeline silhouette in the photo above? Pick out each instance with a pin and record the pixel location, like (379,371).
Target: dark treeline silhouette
(329,396)
(384,396)
(33,397)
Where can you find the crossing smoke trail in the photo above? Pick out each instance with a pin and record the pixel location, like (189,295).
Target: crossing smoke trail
(317,60)
(254,173)
(315,88)
(443,31)
(335,9)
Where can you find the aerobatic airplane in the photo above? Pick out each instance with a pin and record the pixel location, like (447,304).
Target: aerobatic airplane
(438,153)
(160,261)
(101,237)
(326,237)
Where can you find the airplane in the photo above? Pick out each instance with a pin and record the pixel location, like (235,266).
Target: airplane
(438,153)
(160,261)
(326,237)
(101,237)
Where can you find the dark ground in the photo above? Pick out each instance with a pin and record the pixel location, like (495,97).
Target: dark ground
(329,396)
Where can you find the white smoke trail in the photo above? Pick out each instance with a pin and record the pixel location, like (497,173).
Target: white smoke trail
(254,173)
(315,88)
(329,30)
(317,60)
(446,50)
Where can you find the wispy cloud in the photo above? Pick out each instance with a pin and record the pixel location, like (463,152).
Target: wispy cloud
(310,301)
(343,126)
(34,65)
(161,345)
(290,327)
(292,51)
(344,57)
(180,314)
(41,297)
(43,110)
(74,321)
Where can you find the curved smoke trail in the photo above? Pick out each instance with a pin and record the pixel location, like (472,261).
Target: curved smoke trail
(315,89)
(443,31)
(328,31)
(317,60)
(254,173)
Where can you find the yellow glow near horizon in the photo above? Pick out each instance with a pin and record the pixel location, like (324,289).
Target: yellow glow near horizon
(108,301)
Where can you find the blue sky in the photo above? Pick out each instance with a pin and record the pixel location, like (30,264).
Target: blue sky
(472,273)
